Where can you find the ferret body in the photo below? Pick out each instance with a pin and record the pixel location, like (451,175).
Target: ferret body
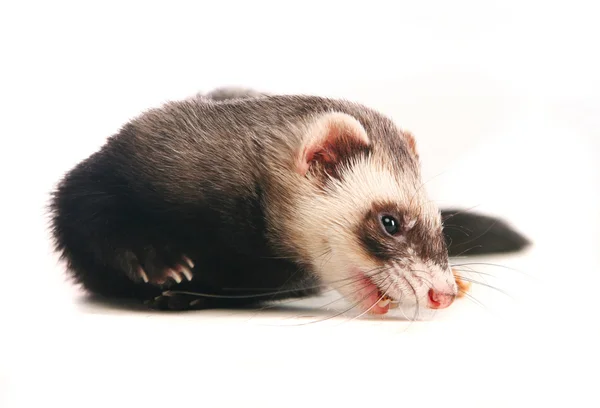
(247,197)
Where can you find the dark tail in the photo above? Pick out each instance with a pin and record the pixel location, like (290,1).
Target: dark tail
(469,233)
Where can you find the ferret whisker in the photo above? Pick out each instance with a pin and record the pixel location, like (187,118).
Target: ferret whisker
(347,281)
(416,316)
(319,307)
(475,272)
(340,313)
(277,257)
(410,285)
(458,229)
(421,186)
(324,256)
(327,251)
(478,236)
(378,285)
(491,264)
(351,280)
(459,257)
(459,212)
(404,314)
(342,298)
(468,249)
(473,298)
(278,303)
(262,294)
(469,270)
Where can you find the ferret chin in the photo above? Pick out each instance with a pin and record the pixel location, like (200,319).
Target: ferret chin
(239,197)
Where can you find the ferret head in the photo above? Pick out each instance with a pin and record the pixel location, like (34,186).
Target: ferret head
(363,218)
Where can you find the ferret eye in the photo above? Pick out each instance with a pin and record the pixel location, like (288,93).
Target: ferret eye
(390,224)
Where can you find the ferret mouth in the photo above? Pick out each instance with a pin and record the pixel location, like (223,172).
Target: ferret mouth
(373,298)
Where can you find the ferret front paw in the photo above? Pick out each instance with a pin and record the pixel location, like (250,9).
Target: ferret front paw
(161,269)
(177,273)
(463,286)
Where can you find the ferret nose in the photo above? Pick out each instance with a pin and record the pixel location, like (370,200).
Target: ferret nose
(439,300)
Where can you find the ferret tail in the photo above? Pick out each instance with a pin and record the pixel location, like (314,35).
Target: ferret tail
(468,233)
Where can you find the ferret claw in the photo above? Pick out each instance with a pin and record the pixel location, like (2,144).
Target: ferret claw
(142,274)
(174,275)
(161,275)
(185,271)
(180,273)
(189,262)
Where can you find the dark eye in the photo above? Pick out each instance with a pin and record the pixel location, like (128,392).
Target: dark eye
(390,224)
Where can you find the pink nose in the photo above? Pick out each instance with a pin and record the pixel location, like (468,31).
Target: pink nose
(439,300)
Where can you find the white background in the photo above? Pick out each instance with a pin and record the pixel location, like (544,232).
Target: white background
(504,99)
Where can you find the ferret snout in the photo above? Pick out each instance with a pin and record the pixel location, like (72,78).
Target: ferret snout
(440,300)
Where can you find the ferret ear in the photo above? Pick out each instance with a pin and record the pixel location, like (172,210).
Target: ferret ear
(412,143)
(330,140)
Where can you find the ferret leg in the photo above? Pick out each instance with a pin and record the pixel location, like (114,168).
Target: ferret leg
(112,253)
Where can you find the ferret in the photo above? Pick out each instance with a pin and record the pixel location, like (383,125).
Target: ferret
(238,197)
